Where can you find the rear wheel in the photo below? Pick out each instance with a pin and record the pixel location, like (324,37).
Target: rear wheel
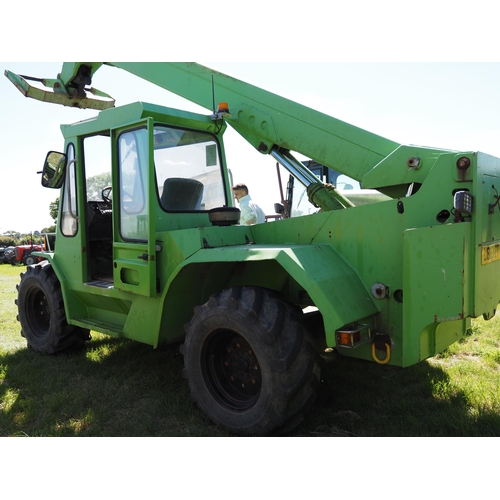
(30,260)
(250,363)
(41,312)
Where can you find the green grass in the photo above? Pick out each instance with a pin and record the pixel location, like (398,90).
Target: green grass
(117,387)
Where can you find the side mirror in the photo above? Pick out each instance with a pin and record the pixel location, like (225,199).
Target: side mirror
(53,170)
(279,208)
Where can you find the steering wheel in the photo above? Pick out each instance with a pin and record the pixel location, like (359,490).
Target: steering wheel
(106,194)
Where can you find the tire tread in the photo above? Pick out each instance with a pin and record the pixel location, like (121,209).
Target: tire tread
(282,336)
(61,335)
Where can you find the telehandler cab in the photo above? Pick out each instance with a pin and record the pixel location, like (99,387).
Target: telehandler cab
(149,246)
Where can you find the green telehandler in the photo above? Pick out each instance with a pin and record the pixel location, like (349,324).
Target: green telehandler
(149,246)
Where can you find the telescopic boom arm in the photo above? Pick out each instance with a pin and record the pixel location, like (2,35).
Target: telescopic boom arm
(267,121)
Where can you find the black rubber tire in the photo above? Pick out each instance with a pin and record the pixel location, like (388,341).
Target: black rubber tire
(250,363)
(30,260)
(41,312)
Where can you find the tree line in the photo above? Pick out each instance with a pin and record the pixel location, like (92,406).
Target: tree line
(94,187)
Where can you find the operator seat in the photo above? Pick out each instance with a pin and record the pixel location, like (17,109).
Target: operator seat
(181,194)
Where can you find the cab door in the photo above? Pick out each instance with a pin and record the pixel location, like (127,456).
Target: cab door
(134,244)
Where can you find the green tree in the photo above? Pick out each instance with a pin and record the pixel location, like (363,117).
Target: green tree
(96,184)
(54,209)
(12,234)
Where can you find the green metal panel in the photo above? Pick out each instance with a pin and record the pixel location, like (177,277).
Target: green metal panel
(132,113)
(487,236)
(331,283)
(407,164)
(119,313)
(436,288)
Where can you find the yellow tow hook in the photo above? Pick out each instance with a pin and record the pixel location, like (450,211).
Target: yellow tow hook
(383,341)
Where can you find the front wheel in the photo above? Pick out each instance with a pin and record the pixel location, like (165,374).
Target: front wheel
(250,362)
(41,312)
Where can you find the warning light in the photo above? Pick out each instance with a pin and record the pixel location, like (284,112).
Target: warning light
(222,111)
(223,108)
(352,336)
(348,338)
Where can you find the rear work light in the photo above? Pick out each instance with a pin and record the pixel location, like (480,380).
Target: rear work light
(463,201)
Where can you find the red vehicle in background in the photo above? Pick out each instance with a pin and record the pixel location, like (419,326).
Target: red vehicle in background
(23,254)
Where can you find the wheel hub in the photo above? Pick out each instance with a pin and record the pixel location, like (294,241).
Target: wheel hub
(241,365)
(41,314)
(231,370)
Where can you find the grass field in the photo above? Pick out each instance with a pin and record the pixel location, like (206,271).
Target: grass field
(123,388)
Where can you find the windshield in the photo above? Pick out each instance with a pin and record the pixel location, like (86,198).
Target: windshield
(188,170)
